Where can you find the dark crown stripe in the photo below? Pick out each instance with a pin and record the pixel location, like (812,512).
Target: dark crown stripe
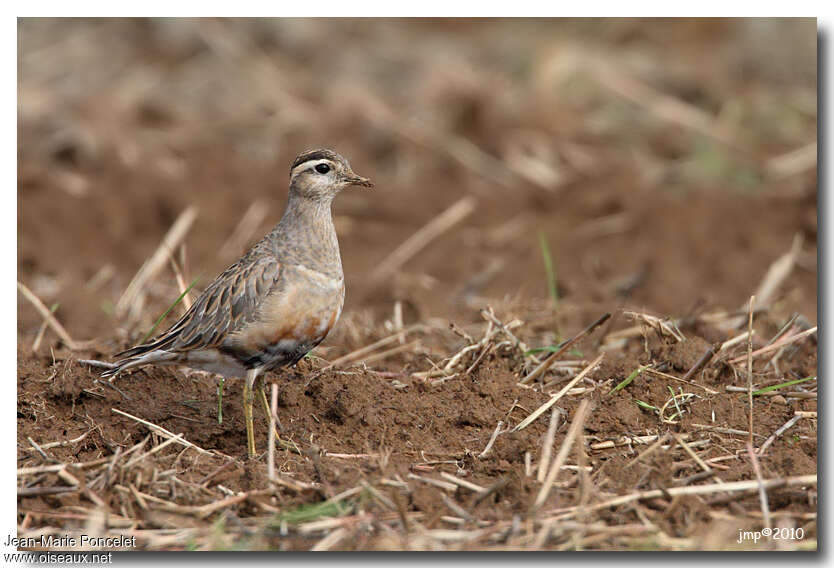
(322,154)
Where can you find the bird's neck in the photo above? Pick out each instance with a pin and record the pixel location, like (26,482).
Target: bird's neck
(308,237)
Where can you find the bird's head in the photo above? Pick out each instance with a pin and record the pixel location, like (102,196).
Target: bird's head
(321,174)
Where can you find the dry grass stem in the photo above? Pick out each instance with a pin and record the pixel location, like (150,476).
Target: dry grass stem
(657,373)
(650,450)
(665,107)
(184,293)
(245,230)
(663,326)
(331,540)
(729,486)
(721,430)
(702,361)
(100,278)
(792,163)
(629,440)
(165,433)
(419,240)
(484,346)
(362,352)
(777,345)
(445,485)
(776,274)
(732,342)
(409,347)
(506,329)
(696,458)
(455,508)
(37,448)
(36,344)
(550,359)
(156,261)
(754,461)
(48,317)
(347,493)
(397,320)
(462,482)
(43,491)
(293,485)
(379,496)
(97,364)
(781,430)
(178,438)
(491,441)
(350,456)
(271,433)
(805,413)
(547,444)
(570,438)
(789,325)
(50,445)
(555,398)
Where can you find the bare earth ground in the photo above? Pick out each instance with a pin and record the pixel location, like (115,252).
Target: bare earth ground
(405,446)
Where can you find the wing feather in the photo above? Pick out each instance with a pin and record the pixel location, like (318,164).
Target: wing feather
(229,303)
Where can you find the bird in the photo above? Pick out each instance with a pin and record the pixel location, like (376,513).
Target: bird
(277,302)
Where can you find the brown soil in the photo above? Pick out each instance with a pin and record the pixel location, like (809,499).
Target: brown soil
(697,248)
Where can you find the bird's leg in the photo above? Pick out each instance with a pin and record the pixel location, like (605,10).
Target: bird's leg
(248,400)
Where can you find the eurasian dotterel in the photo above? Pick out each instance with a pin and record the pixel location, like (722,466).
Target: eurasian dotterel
(276,303)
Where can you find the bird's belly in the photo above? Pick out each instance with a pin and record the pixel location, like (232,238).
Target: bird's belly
(215,361)
(291,324)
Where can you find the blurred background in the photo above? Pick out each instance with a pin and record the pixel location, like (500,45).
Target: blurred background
(578,163)
(531,174)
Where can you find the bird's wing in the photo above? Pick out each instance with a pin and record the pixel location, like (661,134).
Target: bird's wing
(229,303)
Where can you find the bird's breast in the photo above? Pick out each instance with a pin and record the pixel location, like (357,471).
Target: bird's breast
(295,318)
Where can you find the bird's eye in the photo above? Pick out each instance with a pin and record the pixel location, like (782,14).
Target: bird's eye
(322,168)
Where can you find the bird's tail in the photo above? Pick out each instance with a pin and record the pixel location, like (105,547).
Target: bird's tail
(157,357)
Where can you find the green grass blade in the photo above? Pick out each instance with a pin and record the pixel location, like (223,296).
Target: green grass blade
(311,512)
(646,405)
(775,387)
(552,349)
(629,378)
(548,268)
(168,311)
(548,349)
